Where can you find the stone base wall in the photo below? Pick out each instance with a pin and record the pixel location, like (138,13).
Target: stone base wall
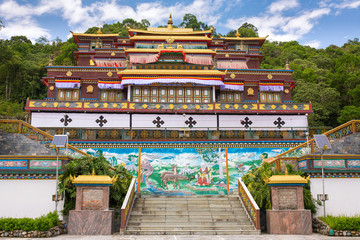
(52,232)
(289,222)
(90,222)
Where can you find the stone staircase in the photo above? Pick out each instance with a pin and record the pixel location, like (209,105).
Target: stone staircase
(194,215)
(18,144)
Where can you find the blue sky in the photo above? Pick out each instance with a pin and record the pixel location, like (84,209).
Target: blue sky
(314,23)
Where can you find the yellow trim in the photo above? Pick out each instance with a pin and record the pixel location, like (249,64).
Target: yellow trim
(244,38)
(147,37)
(157,50)
(94,35)
(93,179)
(170,31)
(283,179)
(171,72)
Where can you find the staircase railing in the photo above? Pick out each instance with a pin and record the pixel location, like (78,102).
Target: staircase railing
(341,131)
(127,205)
(249,203)
(21,127)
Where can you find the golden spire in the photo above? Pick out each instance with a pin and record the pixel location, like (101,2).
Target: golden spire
(237,33)
(99,31)
(93,172)
(170,23)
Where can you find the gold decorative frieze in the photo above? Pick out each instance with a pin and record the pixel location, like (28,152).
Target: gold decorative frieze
(51,88)
(232,75)
(269,76)
(160,107)
(109,74)
(69,73)
(286,91)
(89,89)
(250,92)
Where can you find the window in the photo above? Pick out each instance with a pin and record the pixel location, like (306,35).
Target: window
(68,94)
(274,97)
(230,96)
(110,95)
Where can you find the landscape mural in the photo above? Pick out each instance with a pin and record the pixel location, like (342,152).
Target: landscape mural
(187,171)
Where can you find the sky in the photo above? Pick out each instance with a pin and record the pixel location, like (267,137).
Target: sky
(314,23)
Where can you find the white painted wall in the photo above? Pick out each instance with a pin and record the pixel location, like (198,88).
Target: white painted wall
(344,195)
(173,120)
(263,121)
(27,198)
(47,119)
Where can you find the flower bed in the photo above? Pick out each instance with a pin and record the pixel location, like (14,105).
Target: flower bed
(44,226)
(337,226)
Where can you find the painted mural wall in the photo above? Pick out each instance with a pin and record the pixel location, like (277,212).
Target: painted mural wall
(187,171)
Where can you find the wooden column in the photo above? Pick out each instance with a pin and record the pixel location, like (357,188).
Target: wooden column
(139,171)
(227,170)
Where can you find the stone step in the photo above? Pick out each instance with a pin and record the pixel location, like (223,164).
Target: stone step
(187,224)
(180,220)
(197,232)
(192,228)
(183,212)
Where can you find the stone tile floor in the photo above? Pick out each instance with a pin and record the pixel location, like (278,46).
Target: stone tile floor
(195,237)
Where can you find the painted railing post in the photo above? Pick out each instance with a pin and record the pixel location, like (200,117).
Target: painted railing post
(353,127)
(20,125)
(249,203)
(127,205)
(312,146)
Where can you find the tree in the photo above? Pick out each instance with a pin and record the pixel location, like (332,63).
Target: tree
(324,101)
(190,21)
(348,113)
(1,24)
(245,30)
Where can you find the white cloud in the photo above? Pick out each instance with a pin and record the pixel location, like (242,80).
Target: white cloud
(313,44)
(280,27)
(282,5)
(26,27)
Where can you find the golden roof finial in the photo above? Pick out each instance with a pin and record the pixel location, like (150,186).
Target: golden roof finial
(99,31)
(287,66)
(286,172)
(93,172)
(170,23)
(237,33)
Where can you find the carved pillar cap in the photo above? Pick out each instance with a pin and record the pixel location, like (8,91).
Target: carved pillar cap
(278,180)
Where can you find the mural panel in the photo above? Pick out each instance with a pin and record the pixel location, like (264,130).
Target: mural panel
(187,171)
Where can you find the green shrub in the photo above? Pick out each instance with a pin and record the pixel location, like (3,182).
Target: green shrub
(255,182)
(42,223)
(342,222)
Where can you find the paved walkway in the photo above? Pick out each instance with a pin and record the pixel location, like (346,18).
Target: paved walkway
(210,237)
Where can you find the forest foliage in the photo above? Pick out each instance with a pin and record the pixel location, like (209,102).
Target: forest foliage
(328,78)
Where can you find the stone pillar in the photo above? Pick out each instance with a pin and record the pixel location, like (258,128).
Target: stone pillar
(91,215)
(288,215)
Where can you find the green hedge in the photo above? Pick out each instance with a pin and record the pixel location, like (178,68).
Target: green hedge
(342,222)
(43,223)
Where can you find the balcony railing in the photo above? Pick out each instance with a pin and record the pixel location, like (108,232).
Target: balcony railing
(115,134)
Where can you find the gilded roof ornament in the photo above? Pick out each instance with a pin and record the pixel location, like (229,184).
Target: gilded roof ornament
(237,33)
(170,23)
(286,179)
(99,31)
